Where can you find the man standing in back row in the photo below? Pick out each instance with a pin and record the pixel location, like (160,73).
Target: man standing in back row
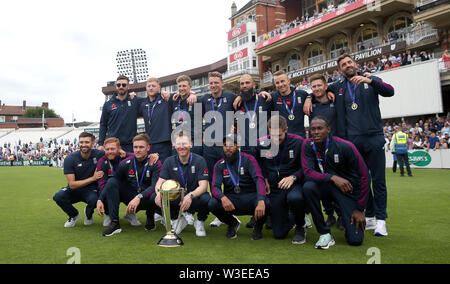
(359,120)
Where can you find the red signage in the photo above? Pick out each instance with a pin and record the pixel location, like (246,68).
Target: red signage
(315,22)
(238,55)
(237,31)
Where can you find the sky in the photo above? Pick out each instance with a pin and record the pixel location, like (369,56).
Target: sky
(64,52)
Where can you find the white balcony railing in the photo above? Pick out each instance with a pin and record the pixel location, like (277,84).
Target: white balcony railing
(231,73)
(421,34)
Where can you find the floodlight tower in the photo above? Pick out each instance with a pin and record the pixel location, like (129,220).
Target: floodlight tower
(133,64)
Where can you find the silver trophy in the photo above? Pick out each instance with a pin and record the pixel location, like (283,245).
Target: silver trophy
(170,190)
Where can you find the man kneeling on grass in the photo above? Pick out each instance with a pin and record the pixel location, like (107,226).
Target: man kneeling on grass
(133,184)
(82,178)
(334,171)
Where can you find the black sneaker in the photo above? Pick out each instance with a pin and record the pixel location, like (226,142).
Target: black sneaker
(340,224)
(331,220)
(299,236)
(250,223)
(233,228)
(113,229)
(257,231)
(150,224)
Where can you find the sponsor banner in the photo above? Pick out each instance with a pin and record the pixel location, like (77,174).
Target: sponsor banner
(437,159)
(315,22)
(361,55)
(32,163)
(238,55)
(237,31)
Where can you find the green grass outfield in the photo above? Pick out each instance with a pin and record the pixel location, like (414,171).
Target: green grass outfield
(32,229)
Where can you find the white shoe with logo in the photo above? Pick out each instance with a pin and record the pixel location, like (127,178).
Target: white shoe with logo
(132,219)
(307,222)
(107,221)
(380,229)
(199,228)
(216,223)
(72,221)
(88,222)
(179,225)
(189,218)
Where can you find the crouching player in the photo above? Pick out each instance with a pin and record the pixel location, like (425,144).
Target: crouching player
(82,176)
(133,184)
(244,190)
(334,170)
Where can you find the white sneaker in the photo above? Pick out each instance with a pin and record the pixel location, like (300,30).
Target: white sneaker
(158,218)
(189,218)
(107,221)
(179,227)
(371,223)
(132,219)
(325,242)
(307,222)
(199,228)
(216,223)
(72,221)
(380,229)
(88,222)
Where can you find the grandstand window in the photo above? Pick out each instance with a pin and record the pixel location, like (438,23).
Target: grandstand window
(338,47)
(315,55)
(368,38)
(400,23)
(246,64)
(293,62)
(2,118)
(243,40)
(233,66)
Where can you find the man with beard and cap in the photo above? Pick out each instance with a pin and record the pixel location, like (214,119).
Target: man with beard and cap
(359,121)
(243,192)
(252,116)
(283,173)
(80,169)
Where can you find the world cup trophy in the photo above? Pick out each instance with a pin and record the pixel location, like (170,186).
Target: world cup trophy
(170,190)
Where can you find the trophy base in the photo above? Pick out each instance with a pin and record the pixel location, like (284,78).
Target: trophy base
(170,240)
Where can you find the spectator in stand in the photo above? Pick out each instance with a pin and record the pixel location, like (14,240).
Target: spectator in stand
(426,130)
(394,36)
(446,59)
(418,143)
(438,124)
(424,56)
(444,143)
(433,142)
(446,128)
(392,58)
(388,65)
(395,64)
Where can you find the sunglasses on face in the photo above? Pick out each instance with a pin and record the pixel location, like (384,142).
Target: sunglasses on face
(123,85)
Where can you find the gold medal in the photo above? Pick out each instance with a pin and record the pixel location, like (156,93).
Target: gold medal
(354,106)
